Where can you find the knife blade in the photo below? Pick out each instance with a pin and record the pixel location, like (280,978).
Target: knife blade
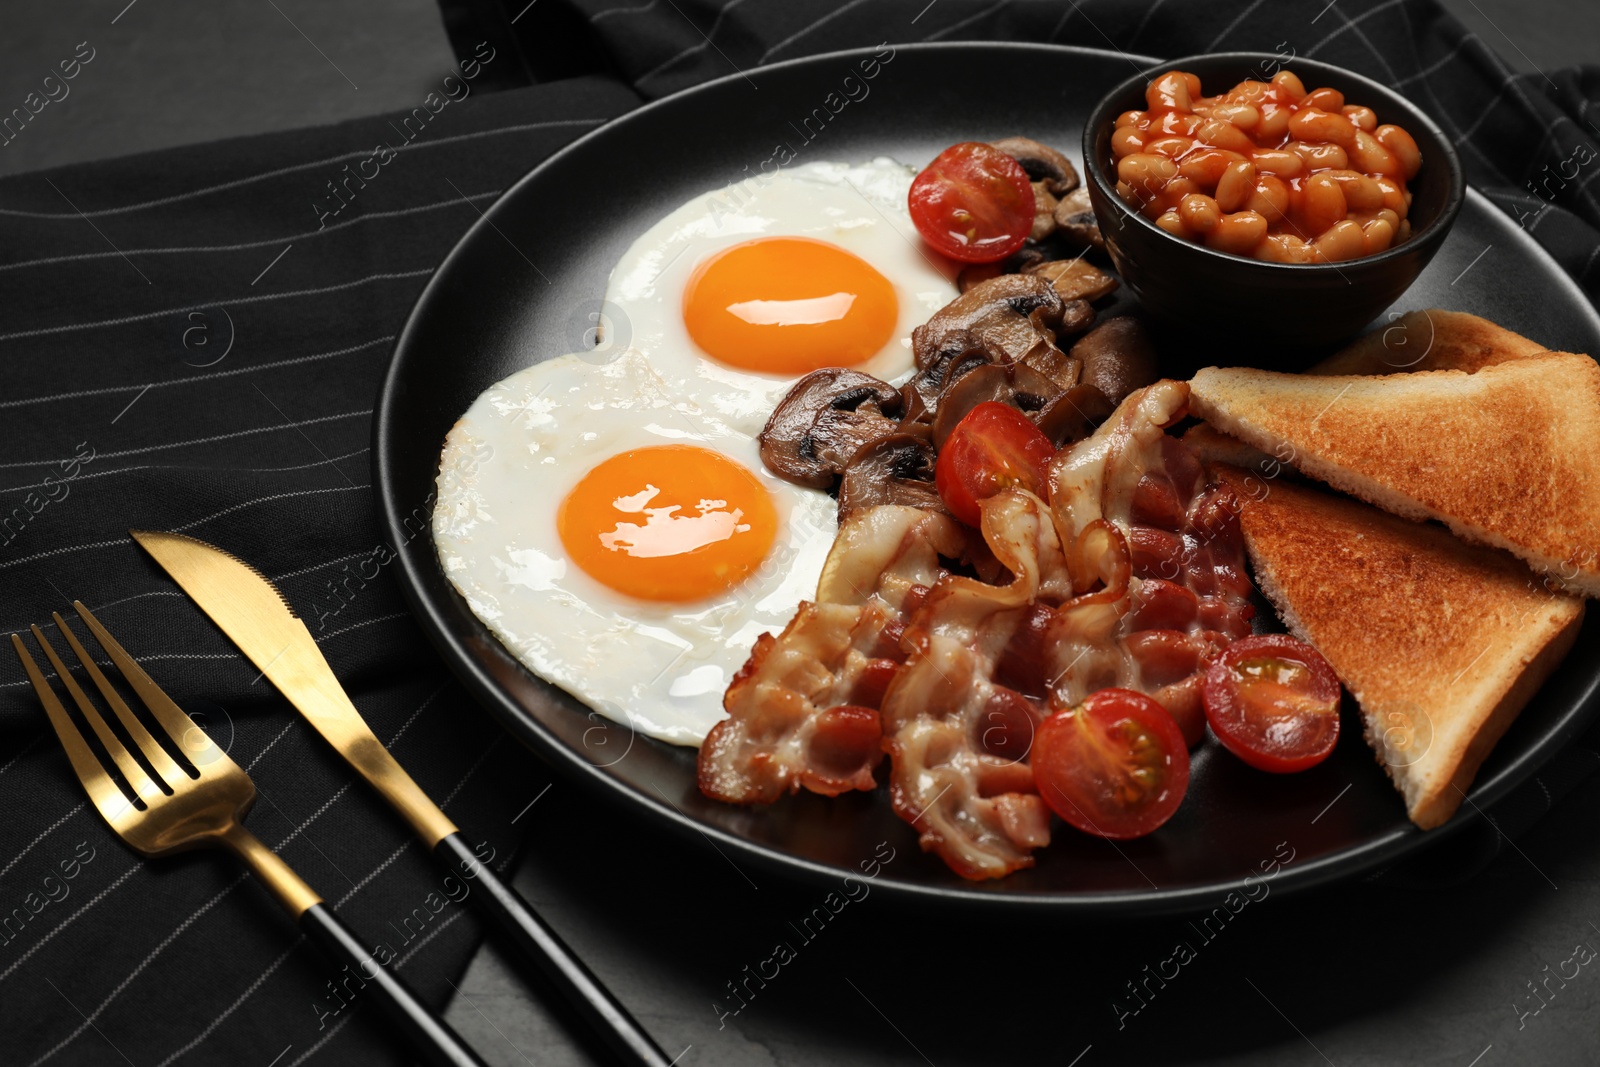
(258,618)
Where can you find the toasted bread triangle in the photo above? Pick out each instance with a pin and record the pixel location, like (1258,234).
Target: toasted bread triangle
(1441,643)
(1430,339)
(1505,456)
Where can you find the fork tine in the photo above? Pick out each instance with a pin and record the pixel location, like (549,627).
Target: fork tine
(195,742)
(135,775)
(110,799)
(165,766)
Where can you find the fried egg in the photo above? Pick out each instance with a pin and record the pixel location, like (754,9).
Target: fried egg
(622,542)
(606,514)
(738,293)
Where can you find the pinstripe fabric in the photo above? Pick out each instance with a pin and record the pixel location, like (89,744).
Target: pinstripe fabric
(1528,140)
(208,395)
(211,341)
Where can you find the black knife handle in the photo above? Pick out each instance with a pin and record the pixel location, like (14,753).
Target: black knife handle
(516,920)
(426,1033)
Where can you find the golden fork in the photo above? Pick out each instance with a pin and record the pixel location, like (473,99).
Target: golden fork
(171,809)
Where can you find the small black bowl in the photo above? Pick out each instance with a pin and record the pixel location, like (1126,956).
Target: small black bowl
(1288,308)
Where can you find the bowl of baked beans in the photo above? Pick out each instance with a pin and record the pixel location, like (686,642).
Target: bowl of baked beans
(1241,196)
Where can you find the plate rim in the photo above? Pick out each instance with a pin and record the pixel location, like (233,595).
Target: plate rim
(1337,866)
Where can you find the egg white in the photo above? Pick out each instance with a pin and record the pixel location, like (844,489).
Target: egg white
(507,465)
(861,208)
(528,440)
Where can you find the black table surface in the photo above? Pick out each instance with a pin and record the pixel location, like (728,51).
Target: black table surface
(1310,979)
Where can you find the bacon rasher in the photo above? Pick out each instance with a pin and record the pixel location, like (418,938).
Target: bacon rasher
(803,711)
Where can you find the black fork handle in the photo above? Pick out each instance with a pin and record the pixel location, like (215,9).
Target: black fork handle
(517,922)
(426,1033)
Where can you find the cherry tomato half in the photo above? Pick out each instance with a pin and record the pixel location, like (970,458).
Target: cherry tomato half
(973,203)
(1114,766)
(994,447)
(1273,701)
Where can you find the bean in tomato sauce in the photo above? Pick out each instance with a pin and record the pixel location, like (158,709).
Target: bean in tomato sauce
(1266,169)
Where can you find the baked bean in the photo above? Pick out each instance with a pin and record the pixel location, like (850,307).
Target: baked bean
(1206,165)
(1219,134)
(1320,156)
(1291,88)
(1360,192)
(1146,172)
(1249,91)
(1239,233)
(1236,185)
(1403,147)
(1377,236)
(1126,140)
(1321,204)
(1170,92)
(1324,100)
(1266,169)
(1278,161)
(1394,197)
(1312,124)
(1173,224)
(1286,248)
(1343,240)
(1241,115)
(1199,212)
(1180,187)
(1270,199)
(1171,122)
(1363,117)
(1370,157)
(1171,146)
(1274,124)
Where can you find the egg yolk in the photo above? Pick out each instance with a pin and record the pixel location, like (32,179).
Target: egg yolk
(789,305)
(672,522)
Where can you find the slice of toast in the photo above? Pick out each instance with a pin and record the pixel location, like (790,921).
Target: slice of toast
(1430,339)
(1505,456)
(1211,445)
(1441,643)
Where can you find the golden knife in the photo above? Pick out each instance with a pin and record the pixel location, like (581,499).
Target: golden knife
(261,621)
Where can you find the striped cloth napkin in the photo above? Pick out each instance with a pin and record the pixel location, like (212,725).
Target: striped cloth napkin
(192,341)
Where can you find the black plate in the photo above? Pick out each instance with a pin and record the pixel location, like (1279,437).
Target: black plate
(487,312)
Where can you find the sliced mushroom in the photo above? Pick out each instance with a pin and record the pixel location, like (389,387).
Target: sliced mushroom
(895,469)
(1044,212)
(1117,357)
(1043,163)
(1014,384)
(1063,369)
(1014,312)
(1075,279)
(976,273)
(958,353)
(824,420)
(1075,220)
(1076,316)
(1074,414)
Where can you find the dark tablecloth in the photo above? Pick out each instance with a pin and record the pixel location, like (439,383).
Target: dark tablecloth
(192,340)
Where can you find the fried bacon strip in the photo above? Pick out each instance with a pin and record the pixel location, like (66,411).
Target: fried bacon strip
(956,737)
(1134,577)
(1133,504)
(803,709)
